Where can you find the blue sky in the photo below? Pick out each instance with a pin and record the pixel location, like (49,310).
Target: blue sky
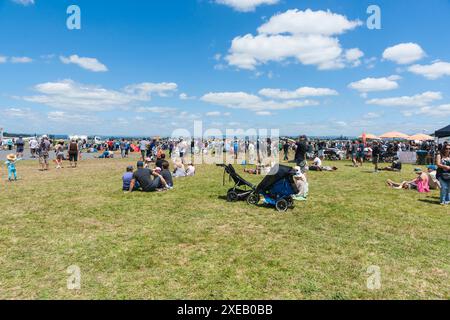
(150,67)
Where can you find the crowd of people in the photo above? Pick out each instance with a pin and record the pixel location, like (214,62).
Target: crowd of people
(153,171)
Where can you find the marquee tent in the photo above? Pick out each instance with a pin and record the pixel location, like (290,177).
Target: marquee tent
(420,137)
(394,135)
(443,133)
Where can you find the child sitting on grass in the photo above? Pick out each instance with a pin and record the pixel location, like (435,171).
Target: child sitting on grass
(11,161)
(127,177)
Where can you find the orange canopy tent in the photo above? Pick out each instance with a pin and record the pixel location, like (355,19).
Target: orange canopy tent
(420,137)
(394,135)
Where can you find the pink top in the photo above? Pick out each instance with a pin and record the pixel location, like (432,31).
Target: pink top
(423,185)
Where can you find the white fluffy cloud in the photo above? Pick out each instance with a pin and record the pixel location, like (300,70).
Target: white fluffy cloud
(21,60)
(404,53)
(432,71)
(437,111)
(263,113)
(354,56)
(419,100)
(306,36)
(142,90)
(246,5)
(310,22)
(243,100)
(24,2)
(297,94)
(4,59)
(371,115)
(65,117)
(70,95)
(217,114)
(375,84)
(156,109)
(185,96)
(90,64)
(16,112)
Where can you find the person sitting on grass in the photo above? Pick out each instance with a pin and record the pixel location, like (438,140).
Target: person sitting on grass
(302,185)
(126,179)
(421,183)
(432,178)
(166,174)
(395,167)
(179,170)
(160,160)
(317,165)
(190,171)
(11,161)
(148,163)
(144,177)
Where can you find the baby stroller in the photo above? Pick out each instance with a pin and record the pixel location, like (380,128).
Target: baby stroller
(242,188)
(277,188)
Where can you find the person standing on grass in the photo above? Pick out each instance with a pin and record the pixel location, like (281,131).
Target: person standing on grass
(10,144)
(376,152)
(353,152)
(20,147)
(300,153)
(44,153)
(122,146)
(34,145)
(143,147)
(59,150)
(127,148)
(236,149)
(443,174)
(11,161)
(286,150)
(361,153)
(73,153)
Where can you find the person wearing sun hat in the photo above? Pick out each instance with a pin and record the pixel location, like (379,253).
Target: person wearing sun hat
(11,160)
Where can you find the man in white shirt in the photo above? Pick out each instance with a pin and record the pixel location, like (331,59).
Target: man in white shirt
(33,147)
(143,147)
(317,162)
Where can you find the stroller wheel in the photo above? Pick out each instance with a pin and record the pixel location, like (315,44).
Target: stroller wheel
(253,199)
(232,196)
(282,205)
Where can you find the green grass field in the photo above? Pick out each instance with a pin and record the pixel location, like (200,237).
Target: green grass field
(190,243)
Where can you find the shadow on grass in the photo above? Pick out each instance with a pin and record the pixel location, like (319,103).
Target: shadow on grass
(429,201)
(222,198)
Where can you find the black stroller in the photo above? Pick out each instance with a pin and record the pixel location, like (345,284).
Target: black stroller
(242,188)
(277,188)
